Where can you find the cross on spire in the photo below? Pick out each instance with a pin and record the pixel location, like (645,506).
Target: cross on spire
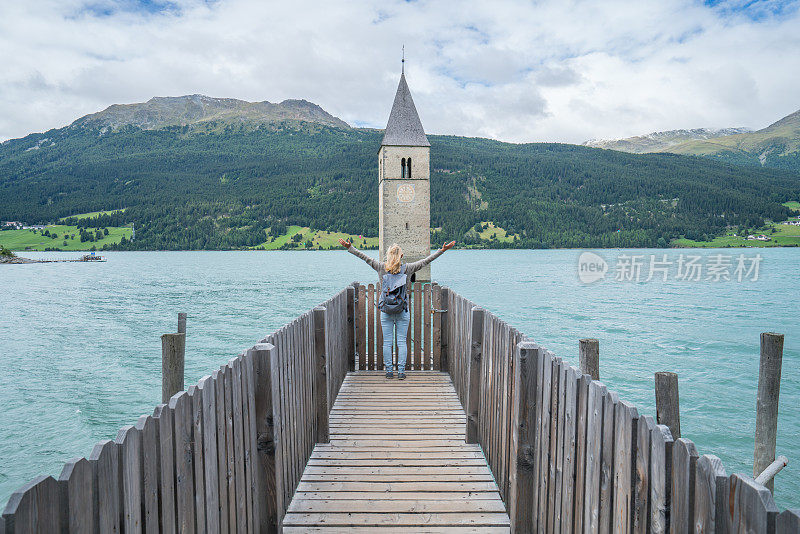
(403,61)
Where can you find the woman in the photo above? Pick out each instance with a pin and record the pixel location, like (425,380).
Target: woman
(395,321)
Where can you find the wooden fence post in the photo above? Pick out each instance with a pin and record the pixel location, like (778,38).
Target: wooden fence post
(360,327)
(668,410)
(105,463)
(626,419)
(436,326)
(474,387)
(749,507)
(181,323)
(581,420)
(173,347)
(445,322)
(641,475)
(660,479)
(769,386)
(710,495)
(206,389)
(77,481)
(520,487)
(589,356)
(129,452)
(350,339)
(682,487)
(279,425)
(264,480)
(788,522)
(35,507)
(320,377)
(181,410)
(200,483)
(593,481)
(606,506)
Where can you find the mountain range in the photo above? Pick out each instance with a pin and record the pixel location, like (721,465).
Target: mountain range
(200,112)
(662,141)
(196,172)
(777,145)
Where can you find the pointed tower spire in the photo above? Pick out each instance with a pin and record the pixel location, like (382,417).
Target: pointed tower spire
(404,127)
(404,182)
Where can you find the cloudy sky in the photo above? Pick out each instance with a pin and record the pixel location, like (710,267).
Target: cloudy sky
(549,70)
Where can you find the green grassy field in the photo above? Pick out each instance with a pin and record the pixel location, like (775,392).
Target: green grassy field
(324,240)
(492,231)
(785,236)
(792,205)
(499,233)
(33,240)
(92,214)
(320,239)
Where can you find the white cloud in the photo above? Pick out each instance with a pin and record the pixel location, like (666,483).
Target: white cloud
(517,71)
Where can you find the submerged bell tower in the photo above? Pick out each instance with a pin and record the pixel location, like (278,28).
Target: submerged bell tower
(404,192)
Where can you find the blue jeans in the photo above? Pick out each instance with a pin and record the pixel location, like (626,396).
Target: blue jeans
(391,323)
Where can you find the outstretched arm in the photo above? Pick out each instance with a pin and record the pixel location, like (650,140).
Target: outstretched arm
(375,264)
(417,265)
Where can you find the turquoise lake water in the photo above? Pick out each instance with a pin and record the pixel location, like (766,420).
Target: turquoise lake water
(81,351)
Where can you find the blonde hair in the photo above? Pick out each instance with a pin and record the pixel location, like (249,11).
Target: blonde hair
(393,256)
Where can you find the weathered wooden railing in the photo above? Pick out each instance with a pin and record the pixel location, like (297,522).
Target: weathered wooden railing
(424,331)
(227,455)
(224,456)
(569,456)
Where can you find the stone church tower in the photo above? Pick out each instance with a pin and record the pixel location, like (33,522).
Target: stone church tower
(404,190)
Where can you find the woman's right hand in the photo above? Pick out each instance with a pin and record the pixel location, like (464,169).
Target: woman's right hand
(345,244)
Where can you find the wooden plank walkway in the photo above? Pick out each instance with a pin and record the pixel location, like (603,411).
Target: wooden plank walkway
(397,462)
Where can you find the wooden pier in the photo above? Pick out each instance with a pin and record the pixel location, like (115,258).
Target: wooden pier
(397,462)
(490,432)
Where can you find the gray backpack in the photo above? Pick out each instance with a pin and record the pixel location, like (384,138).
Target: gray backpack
(394,298)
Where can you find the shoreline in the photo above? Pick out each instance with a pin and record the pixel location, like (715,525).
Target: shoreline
(16,260)
(19,260)
(454,248)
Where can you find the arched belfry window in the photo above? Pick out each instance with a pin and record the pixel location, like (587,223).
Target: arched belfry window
(408,168)
(403,168)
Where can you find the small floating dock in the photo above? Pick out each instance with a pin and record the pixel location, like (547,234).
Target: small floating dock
(85,258)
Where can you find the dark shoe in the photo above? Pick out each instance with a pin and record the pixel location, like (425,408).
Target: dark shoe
(401,376)
(389,374)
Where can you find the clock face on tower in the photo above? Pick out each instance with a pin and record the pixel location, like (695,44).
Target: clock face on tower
(405,192)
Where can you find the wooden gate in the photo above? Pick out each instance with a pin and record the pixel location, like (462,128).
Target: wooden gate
(424,331)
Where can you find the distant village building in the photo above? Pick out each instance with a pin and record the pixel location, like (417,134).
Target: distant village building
(404,192)
(760,237)
(13,224)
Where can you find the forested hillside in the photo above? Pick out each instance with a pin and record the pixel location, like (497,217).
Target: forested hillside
(227,185)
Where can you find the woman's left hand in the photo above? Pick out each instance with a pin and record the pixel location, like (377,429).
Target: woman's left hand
(448,246)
